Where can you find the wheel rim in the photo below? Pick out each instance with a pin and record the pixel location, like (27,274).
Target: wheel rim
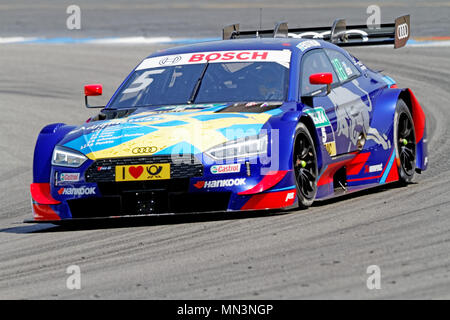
(305,166)
(406,144)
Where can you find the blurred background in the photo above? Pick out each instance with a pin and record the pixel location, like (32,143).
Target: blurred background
(205,18)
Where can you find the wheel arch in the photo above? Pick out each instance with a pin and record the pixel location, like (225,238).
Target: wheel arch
(287,125)
(416,111)
(49,136)
(383,119)
(309,123)
(419,120)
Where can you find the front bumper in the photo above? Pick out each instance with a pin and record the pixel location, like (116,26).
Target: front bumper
(194,187)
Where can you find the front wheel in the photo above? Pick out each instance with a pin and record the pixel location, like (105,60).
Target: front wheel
(305,166)
(405,142)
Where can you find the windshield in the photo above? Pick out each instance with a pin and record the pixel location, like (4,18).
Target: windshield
(219,82)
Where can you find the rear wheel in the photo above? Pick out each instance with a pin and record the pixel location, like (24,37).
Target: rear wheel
(405,142)
(305,166)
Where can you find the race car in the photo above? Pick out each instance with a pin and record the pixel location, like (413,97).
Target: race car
(263,119)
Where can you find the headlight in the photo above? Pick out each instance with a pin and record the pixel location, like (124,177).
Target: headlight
(240,148)
(65,157)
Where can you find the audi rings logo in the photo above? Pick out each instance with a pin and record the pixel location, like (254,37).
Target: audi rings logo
(169,60)
(142,150)
(402,31)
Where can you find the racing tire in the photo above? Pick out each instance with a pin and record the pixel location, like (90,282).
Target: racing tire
(405,142)
(305,166)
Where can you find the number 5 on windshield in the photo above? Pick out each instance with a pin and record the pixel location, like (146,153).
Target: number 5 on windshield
(142,81)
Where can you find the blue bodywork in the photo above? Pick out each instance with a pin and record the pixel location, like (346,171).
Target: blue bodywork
(365,105)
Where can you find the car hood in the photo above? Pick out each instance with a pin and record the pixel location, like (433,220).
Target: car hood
(166,130)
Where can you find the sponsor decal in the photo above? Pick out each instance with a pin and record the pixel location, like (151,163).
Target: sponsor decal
(402,31)
(304,45)
(374,168)
(105,168)
(142,150)
(219,183)
(320,35)
(251,104)
(125,137)
(324,134)
(280,56)
(101,126)
(69,177)
(169,60)
(289,196)
(185,107)
(347,69)
(331,148)
(361,65)
(145,118)
(339,69)
(230,55)
(351,124)
(143,172)
(81,191)
(319,117)
(226,168)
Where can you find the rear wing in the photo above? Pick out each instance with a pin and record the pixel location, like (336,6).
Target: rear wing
(339,33)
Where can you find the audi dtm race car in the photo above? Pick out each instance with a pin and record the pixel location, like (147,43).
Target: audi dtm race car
(265,119)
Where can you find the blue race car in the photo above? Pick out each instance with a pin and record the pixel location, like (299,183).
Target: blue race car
(264,119)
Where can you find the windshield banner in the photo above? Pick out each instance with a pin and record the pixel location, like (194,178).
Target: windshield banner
(282,57)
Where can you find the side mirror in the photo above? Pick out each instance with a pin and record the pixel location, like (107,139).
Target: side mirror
(92,90)
(322,78)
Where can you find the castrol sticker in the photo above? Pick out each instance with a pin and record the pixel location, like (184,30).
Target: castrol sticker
(226,168)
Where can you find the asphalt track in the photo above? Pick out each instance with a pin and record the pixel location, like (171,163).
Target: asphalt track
(322,252)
